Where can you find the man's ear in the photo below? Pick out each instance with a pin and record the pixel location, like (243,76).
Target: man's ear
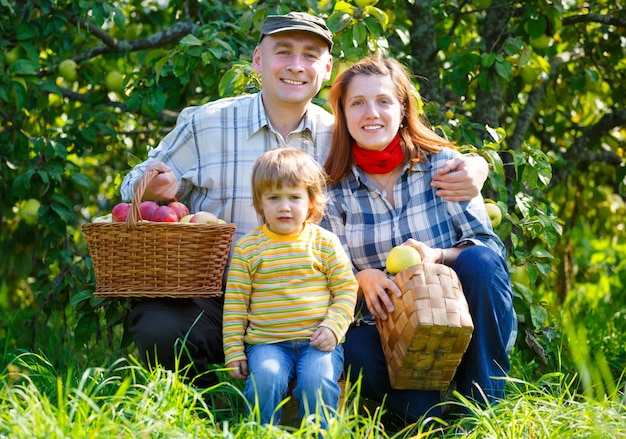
(256,59)
(329,69)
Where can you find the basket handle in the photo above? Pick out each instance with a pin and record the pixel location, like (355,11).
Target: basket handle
(134,215)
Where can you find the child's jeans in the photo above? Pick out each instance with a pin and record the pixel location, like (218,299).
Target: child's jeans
(273,366)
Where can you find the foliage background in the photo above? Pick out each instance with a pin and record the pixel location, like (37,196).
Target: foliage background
(536,87)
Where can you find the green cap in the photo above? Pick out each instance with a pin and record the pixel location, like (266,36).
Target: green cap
(300,21)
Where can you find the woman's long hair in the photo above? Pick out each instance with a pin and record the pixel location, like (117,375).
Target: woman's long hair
(415,133)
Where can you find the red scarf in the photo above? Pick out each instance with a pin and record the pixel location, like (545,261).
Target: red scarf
(379,162)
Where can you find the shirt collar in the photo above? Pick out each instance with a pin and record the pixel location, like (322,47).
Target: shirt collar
(259,119)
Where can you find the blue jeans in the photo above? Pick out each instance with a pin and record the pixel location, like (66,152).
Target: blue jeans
(273,366)
(486,284)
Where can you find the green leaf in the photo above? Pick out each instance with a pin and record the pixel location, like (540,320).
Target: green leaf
(338,21)
(81,180)
(232,83)
(25,32)
(487,59)
(21,184)
(538,315)
(80,297)
(359,33)
(190,40)
(504,70)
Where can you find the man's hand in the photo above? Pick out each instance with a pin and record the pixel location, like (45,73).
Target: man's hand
(376,287)
(323,339)
(162,187)
(461,178)
(238,369)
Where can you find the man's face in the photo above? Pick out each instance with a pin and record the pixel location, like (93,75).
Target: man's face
(293,66)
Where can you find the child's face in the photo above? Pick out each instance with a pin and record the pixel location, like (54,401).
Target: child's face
(285,209)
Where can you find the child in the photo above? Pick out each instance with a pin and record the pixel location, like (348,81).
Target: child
(290,294)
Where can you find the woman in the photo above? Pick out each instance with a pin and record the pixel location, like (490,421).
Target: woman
(380,167)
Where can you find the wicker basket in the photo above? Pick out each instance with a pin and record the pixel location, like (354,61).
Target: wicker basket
(426,336)
(152,259)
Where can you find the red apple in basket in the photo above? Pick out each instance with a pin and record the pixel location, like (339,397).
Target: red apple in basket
(180,209)
(146,209)
(203,217)
(165,214)
(120,212)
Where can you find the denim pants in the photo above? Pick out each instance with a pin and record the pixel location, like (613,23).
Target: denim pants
(486,284)
(273,366)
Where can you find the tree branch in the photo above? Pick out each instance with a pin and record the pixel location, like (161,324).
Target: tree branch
(113,45)
(596,18)
(526,117)
(166,115)
(580,153)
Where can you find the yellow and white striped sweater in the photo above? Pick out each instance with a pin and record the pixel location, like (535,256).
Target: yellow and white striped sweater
(283,288)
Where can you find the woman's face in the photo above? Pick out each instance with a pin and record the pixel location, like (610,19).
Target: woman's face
(373,113)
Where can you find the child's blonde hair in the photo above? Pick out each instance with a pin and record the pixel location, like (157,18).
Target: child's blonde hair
(289,167)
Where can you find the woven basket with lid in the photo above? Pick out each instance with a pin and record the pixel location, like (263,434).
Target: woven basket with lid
(424,339)
(151,259)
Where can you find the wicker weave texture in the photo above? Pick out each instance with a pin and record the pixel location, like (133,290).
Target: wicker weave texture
(152,259)
(424,339)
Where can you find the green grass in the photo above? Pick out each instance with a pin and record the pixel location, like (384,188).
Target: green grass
(125,400)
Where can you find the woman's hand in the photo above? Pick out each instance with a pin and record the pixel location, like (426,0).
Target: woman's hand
(429,254)
(238,369)
(164,186)
(376,288)
(461,178)
(323,339)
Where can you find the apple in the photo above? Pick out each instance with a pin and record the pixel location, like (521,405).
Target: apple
(364,3)
(324,93)
(186,218)
(541,42)
(401,257)
(146,209)
(12,55)
(494,212)
(67,69)
(120,212)
(180,209)
(519,274)
(114,81)
(30,211)
(108,218)
(164,214)
(529,74)
(203,217)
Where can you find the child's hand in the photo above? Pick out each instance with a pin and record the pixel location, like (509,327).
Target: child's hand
(323,339)
(238,369)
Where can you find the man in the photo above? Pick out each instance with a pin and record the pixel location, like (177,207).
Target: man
(206,161)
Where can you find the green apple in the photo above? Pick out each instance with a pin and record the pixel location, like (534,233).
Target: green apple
(519,274)
(114,81)
(529,74)
(108,218)
(541,42)
(67,69)
(12,55)
(30,211)
(324,93)
(401,257)
(494,212)
(364,3)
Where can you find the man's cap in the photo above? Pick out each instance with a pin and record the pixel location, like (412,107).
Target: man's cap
(297,21)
